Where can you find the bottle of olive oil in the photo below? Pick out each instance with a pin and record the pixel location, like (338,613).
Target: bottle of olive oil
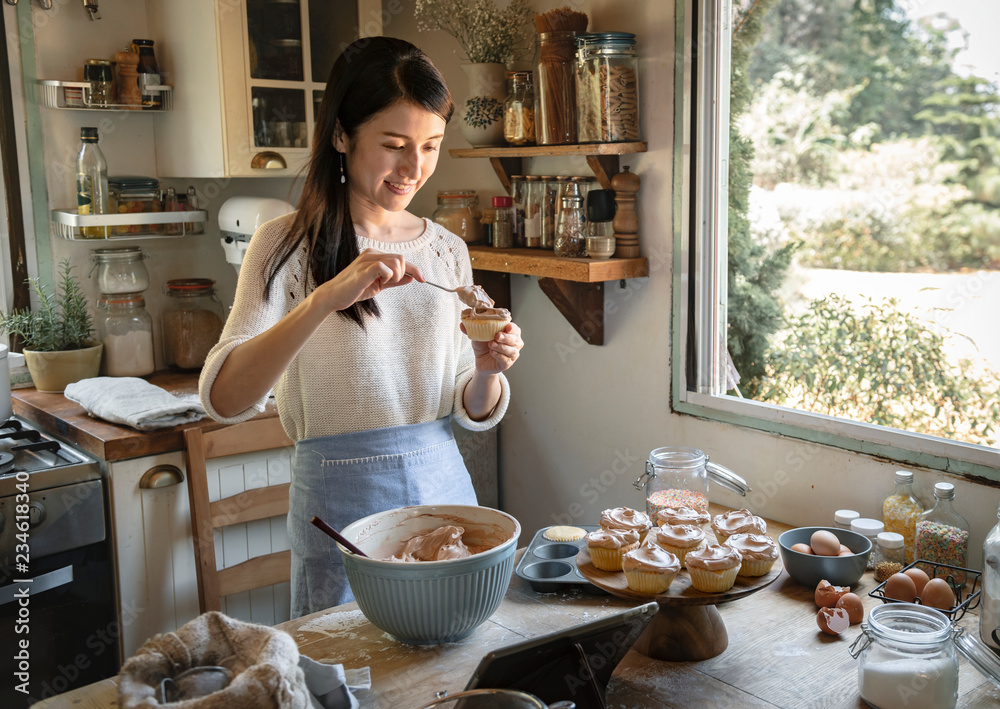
(91,182)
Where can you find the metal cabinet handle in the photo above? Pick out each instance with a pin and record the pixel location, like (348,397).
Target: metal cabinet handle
(268,160)
(161,476)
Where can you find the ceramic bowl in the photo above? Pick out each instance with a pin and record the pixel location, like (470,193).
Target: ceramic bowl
(809,569)
(600,247)
(430,602)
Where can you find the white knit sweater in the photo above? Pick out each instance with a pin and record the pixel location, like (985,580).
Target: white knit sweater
(409,366)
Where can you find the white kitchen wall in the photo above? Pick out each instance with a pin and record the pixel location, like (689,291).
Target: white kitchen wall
(583,419)
(64,38)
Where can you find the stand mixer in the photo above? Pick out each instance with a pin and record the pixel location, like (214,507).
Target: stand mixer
(239,218)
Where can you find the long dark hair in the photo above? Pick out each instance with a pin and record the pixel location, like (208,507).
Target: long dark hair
(370,75)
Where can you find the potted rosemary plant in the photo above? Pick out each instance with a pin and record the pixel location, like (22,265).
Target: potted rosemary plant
(59,344)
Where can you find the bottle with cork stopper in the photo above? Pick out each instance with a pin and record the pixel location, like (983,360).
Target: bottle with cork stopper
(626,221)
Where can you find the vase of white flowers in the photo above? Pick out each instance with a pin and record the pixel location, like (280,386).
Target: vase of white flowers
(490,38)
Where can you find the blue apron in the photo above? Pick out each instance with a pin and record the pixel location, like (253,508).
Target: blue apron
(343,478)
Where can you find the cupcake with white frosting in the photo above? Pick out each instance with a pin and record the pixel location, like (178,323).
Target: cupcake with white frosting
(606,547)
(737,522)
(626,518)
(759,553)
(649,569)
(678,539)
(714,569)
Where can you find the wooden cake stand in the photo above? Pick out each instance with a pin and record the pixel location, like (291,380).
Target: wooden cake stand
(688,626)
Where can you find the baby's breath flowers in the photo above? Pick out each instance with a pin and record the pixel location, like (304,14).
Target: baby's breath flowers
(485,33)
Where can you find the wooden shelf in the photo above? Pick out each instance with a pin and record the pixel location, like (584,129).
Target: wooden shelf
(545,264)
(601,157)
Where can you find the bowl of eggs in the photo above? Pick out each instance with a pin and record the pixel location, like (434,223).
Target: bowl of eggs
(812,554)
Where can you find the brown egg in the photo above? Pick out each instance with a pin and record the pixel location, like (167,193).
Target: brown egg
(900,587)
(844,550)
(833,621)
(827,595)
(802,548)
(919,578)
(851,603)
(938,594)
(824,543)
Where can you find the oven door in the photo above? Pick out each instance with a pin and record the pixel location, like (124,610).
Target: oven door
(58,624)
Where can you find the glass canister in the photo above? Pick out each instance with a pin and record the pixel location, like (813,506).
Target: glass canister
(519,109)
(889,555)
(907,657)
(458,212)
(607,88)
(571,228)
(989,614)
(555,88)
(126,331)
(550,210)
(518,195)
(679,477)
(102,82)
(901,509)
(942,535)
(503,222)
(869,528)
(192,322)
(533,193)
(120,270)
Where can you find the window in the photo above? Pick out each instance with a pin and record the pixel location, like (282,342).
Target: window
(907,136)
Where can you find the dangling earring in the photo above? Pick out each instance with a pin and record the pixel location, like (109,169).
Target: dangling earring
(343,177)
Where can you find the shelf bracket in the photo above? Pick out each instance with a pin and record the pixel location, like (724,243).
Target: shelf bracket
(582,304)
(505,167)
(604,168)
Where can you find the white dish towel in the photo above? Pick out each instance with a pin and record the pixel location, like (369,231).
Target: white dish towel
(134,402)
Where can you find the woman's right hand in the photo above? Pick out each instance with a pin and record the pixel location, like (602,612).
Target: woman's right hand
(365,277)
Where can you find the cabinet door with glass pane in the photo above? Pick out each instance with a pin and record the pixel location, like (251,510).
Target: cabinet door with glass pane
(274,71)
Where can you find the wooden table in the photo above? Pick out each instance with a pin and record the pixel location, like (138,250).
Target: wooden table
(776,655)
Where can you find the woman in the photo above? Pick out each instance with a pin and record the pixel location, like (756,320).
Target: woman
(367,363)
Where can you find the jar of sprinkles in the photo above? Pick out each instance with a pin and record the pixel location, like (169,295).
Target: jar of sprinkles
(942,535)
(678,477)
(900,511)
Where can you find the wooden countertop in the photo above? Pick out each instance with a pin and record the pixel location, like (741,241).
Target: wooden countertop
(776,655)
(109,441)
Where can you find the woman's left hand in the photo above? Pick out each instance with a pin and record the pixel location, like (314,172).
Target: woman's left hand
(501,352)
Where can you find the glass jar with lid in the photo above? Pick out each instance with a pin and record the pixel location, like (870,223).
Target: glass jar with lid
(519,109)
(518,195)
(942,535)
(607,88)
(901,509)
(907,651)
(678,477)
(192,322)
(458,212)
(550,210)
(555,88)
(120,270)
(869,528)
(126,331)
(533,195)
(571,230)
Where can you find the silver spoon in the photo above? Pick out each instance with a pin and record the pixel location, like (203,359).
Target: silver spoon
(450,290)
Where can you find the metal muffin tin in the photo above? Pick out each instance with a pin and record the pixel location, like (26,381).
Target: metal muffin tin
(550,566)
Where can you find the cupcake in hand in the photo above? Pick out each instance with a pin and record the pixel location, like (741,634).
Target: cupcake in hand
(759,553)
(606,547)
(626,518)
(714,569)
(649,569)
(737,522)
(481,320)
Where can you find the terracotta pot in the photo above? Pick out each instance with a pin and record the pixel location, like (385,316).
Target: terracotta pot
(52,371)
(481,119)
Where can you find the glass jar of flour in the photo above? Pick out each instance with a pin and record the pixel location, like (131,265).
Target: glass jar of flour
(126,330)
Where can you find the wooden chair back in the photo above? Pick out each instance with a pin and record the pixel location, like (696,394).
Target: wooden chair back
(247,506)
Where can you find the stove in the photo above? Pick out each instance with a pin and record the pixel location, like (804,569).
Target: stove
(57,590)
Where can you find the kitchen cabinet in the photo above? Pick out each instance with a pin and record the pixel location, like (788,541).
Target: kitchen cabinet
(574,285)
(248,78)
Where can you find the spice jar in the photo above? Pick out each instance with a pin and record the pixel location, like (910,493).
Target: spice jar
(102,83)
(519,109)
(550,210)
(503,222)
(888,554)
(571,230)
(901,509)
(678,477)
(907,658)
(458,212)
(843,518)
(869,528)
(533,190)
(126,331)
(518,196)
(942,535)
(607,88)
(989,613)
(120,270)
(555,88)
(192,322)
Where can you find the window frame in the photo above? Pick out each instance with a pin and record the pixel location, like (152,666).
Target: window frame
(700,166)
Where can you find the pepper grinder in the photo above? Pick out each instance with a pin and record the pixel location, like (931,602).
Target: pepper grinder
(626,222)
(128,79)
